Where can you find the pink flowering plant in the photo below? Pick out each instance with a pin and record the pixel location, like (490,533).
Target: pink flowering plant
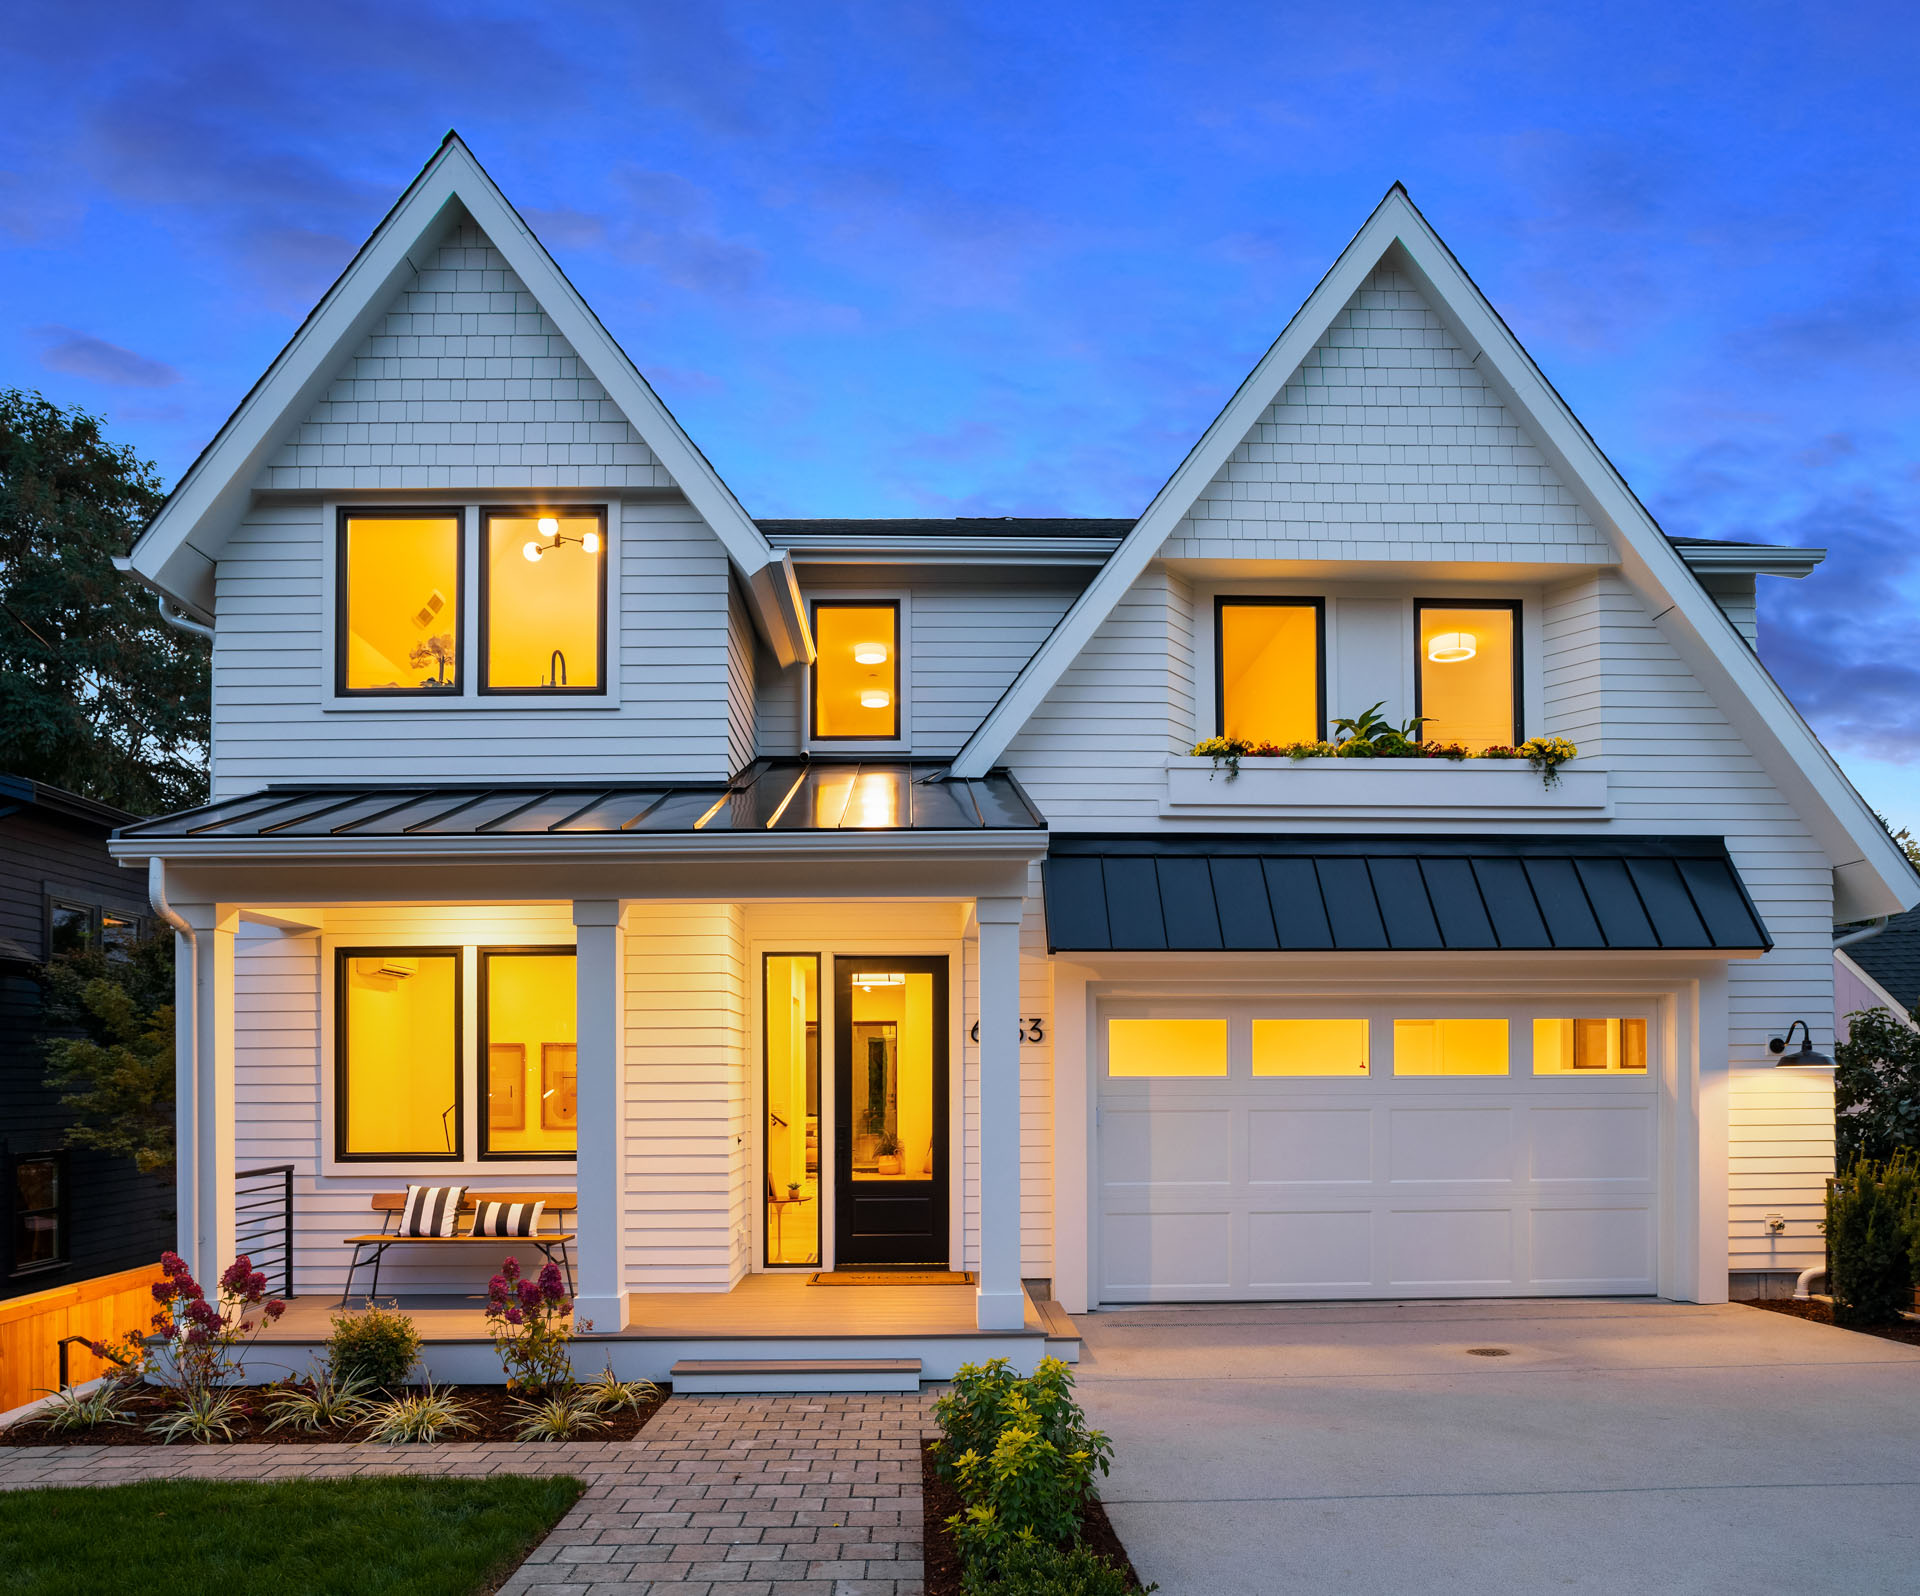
(532,1323)
(203,1340)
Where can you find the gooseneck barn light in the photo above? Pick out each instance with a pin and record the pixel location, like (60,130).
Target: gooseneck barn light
(1806,1058)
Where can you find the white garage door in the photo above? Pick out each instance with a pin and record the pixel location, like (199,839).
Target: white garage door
(1250,1152)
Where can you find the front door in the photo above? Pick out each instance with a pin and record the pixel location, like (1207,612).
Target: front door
(890,1111)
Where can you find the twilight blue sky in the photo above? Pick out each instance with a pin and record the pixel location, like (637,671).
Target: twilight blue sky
(983,259)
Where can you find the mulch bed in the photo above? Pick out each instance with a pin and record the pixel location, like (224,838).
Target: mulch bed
(490,1404)
(1905,1330)
(940,1501)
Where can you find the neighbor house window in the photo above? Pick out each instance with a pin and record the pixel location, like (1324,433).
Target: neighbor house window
(1467,674)
(39,1212)
(71,927)
(397,1053)
(856,669)
(792,1107)
(1310,1047)
(529,1049)
(1268,659)
(1449,1047)
(544,604)
(1143,1048)
(398,597)
(1590,1047)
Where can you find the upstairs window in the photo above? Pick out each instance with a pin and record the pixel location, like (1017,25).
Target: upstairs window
(856,670)
(544,608)
(399,602)
(1468,671)
(1269,654)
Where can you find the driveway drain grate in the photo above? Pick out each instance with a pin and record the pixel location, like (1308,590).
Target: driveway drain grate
(1487,1352)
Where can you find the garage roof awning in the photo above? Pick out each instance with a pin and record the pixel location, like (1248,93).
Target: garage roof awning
(1352,894)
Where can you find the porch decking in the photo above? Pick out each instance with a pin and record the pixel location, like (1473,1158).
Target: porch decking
(764,1316)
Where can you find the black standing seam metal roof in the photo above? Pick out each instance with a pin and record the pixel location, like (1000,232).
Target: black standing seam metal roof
(1401,894)
(769,795)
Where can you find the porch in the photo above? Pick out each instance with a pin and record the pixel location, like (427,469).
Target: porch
(763,1318)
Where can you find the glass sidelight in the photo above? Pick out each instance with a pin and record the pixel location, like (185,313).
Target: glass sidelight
(892,1075)
(791,1094)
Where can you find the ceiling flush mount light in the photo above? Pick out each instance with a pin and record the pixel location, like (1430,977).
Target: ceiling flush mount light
(874,698)
(1450,648)
(870,653)
(1806,1058)
(868,980)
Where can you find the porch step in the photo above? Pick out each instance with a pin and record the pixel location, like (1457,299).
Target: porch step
(1063,1335)
(744,1376)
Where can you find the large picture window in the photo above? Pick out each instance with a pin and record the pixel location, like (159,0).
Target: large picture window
(856,670)
(1467,674)
(529,1051)
(1269,676)
(398,601)
(544,604)
(397,1054)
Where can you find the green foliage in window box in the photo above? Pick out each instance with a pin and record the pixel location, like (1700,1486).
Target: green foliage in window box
(1873,1235)
(1369,735)
(376,1348)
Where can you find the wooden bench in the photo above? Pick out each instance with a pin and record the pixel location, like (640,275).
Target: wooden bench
(550,1244)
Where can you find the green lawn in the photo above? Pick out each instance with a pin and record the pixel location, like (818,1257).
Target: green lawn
(344,1537)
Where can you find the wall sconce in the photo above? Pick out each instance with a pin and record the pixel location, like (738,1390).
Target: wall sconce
(1806,1058)
(1450,648)
(870,653)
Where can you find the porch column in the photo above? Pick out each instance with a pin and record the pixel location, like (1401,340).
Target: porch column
(600,1278)
(205,1120)
(1000,1304)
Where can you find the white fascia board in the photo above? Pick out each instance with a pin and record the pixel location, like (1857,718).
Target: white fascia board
(1870,874)
(963,551)
(178,549)
(1887,999)
(1749,559)
(775,591)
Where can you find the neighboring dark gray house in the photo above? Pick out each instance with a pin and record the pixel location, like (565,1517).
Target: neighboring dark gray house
(70,1213)
(1889,961)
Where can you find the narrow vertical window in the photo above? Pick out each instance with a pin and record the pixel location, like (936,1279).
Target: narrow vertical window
(529,1019)
(398,597)
(397,1041)
(856,670)
(1268,672)
(1468,672)
(791,1129)
(545,602)
(39,1213)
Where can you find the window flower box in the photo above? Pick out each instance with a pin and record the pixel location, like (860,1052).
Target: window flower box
(1382,789)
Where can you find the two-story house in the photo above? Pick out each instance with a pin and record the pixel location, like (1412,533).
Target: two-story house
(824,896)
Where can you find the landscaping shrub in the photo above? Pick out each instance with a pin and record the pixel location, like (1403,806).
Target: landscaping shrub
(376,1348)
(1873,1213)
(1032,1569)
(1025,1490)
(988,1397)
(1876,1088)
(532,1323)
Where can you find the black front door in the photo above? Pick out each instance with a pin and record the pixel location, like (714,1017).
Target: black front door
(890,1111)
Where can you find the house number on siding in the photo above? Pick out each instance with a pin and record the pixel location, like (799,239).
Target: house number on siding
(1030,1030)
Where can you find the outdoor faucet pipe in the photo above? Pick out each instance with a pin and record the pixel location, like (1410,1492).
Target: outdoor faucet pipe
(186,1029)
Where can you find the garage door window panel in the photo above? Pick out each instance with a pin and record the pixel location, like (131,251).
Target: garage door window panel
(1163,1049)
(1310,1047)
(1453,1047)
(1590,1047)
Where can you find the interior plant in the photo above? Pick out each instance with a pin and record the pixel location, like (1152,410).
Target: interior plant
(419,1417)
(1872,1210)
(376,1347)
(532,1324)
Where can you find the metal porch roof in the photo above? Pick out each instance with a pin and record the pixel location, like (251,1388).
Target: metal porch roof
(769,795)
(1341,894)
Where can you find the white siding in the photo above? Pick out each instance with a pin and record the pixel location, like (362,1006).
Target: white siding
(1733,592)
(464,383)
(1386,444)
(272,665)
(740,705)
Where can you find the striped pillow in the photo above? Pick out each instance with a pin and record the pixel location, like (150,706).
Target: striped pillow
(507,1219)
(431,1210)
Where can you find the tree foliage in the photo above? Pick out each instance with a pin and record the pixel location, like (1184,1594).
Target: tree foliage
(110,1051)
(97,695)
(1876,1088)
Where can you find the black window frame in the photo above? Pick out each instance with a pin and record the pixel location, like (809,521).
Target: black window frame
(342,613)
(766,1065)
(97,915)
(814,734)
(522,512)
(1224,601)
(480,1063)
(341,1040)
(61,1210)
(1515,608)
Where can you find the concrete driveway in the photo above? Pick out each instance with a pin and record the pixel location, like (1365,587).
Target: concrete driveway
(1618,1447)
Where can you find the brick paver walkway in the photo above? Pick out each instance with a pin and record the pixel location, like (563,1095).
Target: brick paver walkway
(718,1496)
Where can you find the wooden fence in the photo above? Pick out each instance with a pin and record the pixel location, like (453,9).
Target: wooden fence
(31,1327)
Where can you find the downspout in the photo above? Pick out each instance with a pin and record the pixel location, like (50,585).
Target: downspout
(186,1030)
(1872,929)
(178,618)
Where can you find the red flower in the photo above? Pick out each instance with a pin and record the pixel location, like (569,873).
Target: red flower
(530,1295)
(275,1307)
(162,1292)
(256,1285)
(511,1269)
(514,1316)
(235,1279)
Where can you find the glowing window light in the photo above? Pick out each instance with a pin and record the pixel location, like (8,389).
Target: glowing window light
(870,654)
(1450,648)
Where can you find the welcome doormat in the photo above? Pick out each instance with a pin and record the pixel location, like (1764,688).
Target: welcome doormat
(894,1277)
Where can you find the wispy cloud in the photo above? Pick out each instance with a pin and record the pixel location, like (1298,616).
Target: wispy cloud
(78,354)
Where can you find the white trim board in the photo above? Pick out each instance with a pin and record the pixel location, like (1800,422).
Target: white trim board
(177,552)
(1870,876)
